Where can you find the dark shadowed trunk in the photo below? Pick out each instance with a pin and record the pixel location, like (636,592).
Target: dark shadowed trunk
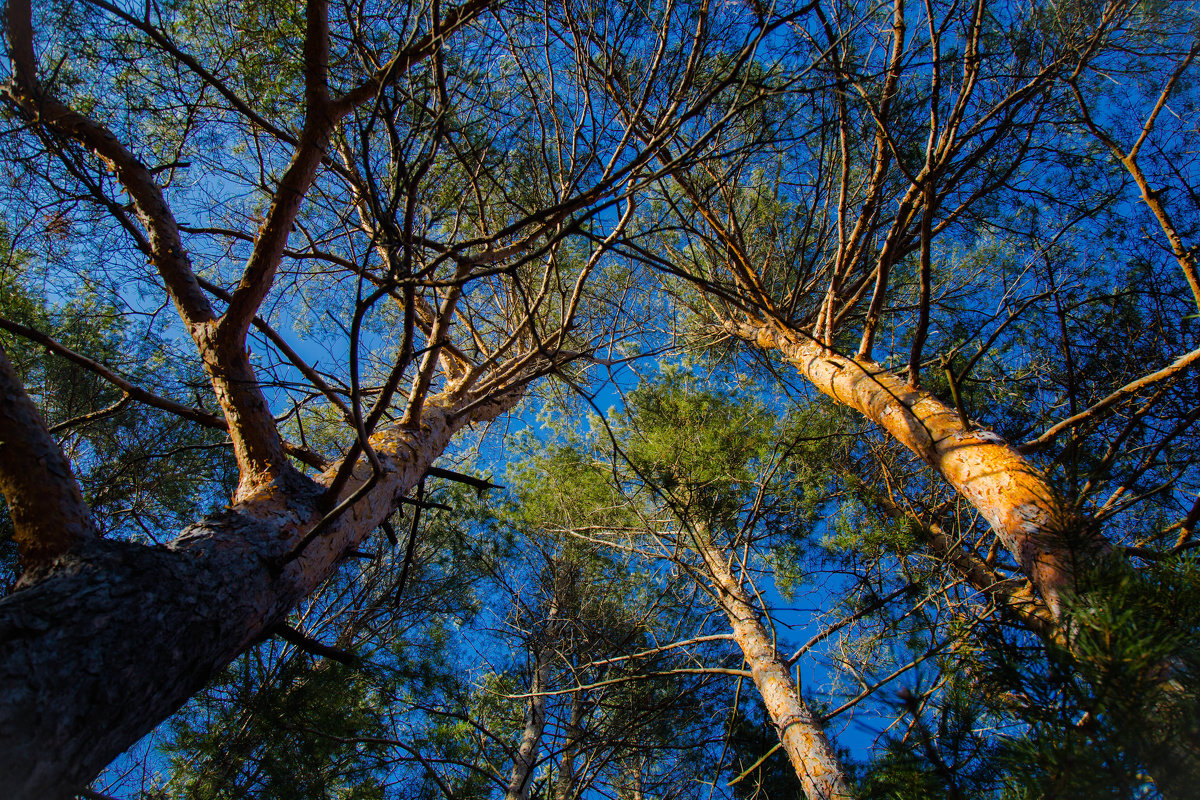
(104,643)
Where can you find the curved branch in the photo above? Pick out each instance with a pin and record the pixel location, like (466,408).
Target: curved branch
(151,207)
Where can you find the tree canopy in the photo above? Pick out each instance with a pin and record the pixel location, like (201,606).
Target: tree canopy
(580,399)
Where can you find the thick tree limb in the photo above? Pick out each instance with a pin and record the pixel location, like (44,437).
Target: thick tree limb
(257,444)
(272,236)
(312,646)
(1034,523)
(47,508)
(148,626)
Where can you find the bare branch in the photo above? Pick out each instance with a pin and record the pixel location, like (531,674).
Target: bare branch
(1169,372)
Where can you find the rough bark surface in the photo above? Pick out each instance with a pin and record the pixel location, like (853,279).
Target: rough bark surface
(48,512)
(104,643)
(1034,523)
(803,736)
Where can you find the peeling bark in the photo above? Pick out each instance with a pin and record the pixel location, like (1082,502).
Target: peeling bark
(1034,523)
(108,640)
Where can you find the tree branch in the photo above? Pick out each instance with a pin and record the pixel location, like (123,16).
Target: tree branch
(47,508)
(1168,372)
(313,647)
(151,207)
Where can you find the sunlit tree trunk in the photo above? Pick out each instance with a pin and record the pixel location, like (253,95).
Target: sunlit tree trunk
(809,750)
(1035,524)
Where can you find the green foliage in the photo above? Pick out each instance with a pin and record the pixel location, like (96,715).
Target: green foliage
(1135,643)
(522,131)
(144,473)
(699,448)
(1124,699)
(1120,704)
(299,731)
(899,774)
(752,741)
(855,530)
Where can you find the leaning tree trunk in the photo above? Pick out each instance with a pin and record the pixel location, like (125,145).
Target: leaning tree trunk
(800,730)
(1035,524)
(106,642)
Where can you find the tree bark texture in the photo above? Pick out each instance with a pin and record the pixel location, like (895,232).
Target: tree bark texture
(48,512)
(101,645)
(1034,523)
(803,736)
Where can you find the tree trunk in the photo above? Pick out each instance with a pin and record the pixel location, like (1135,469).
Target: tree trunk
(1034,523)
(48,513)
(564,786)
(100,646)
(535,723)
(800,731)
(632,780)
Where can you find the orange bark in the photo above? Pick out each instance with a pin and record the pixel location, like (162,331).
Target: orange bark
(48,513)
(1034,523)
(801,733)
